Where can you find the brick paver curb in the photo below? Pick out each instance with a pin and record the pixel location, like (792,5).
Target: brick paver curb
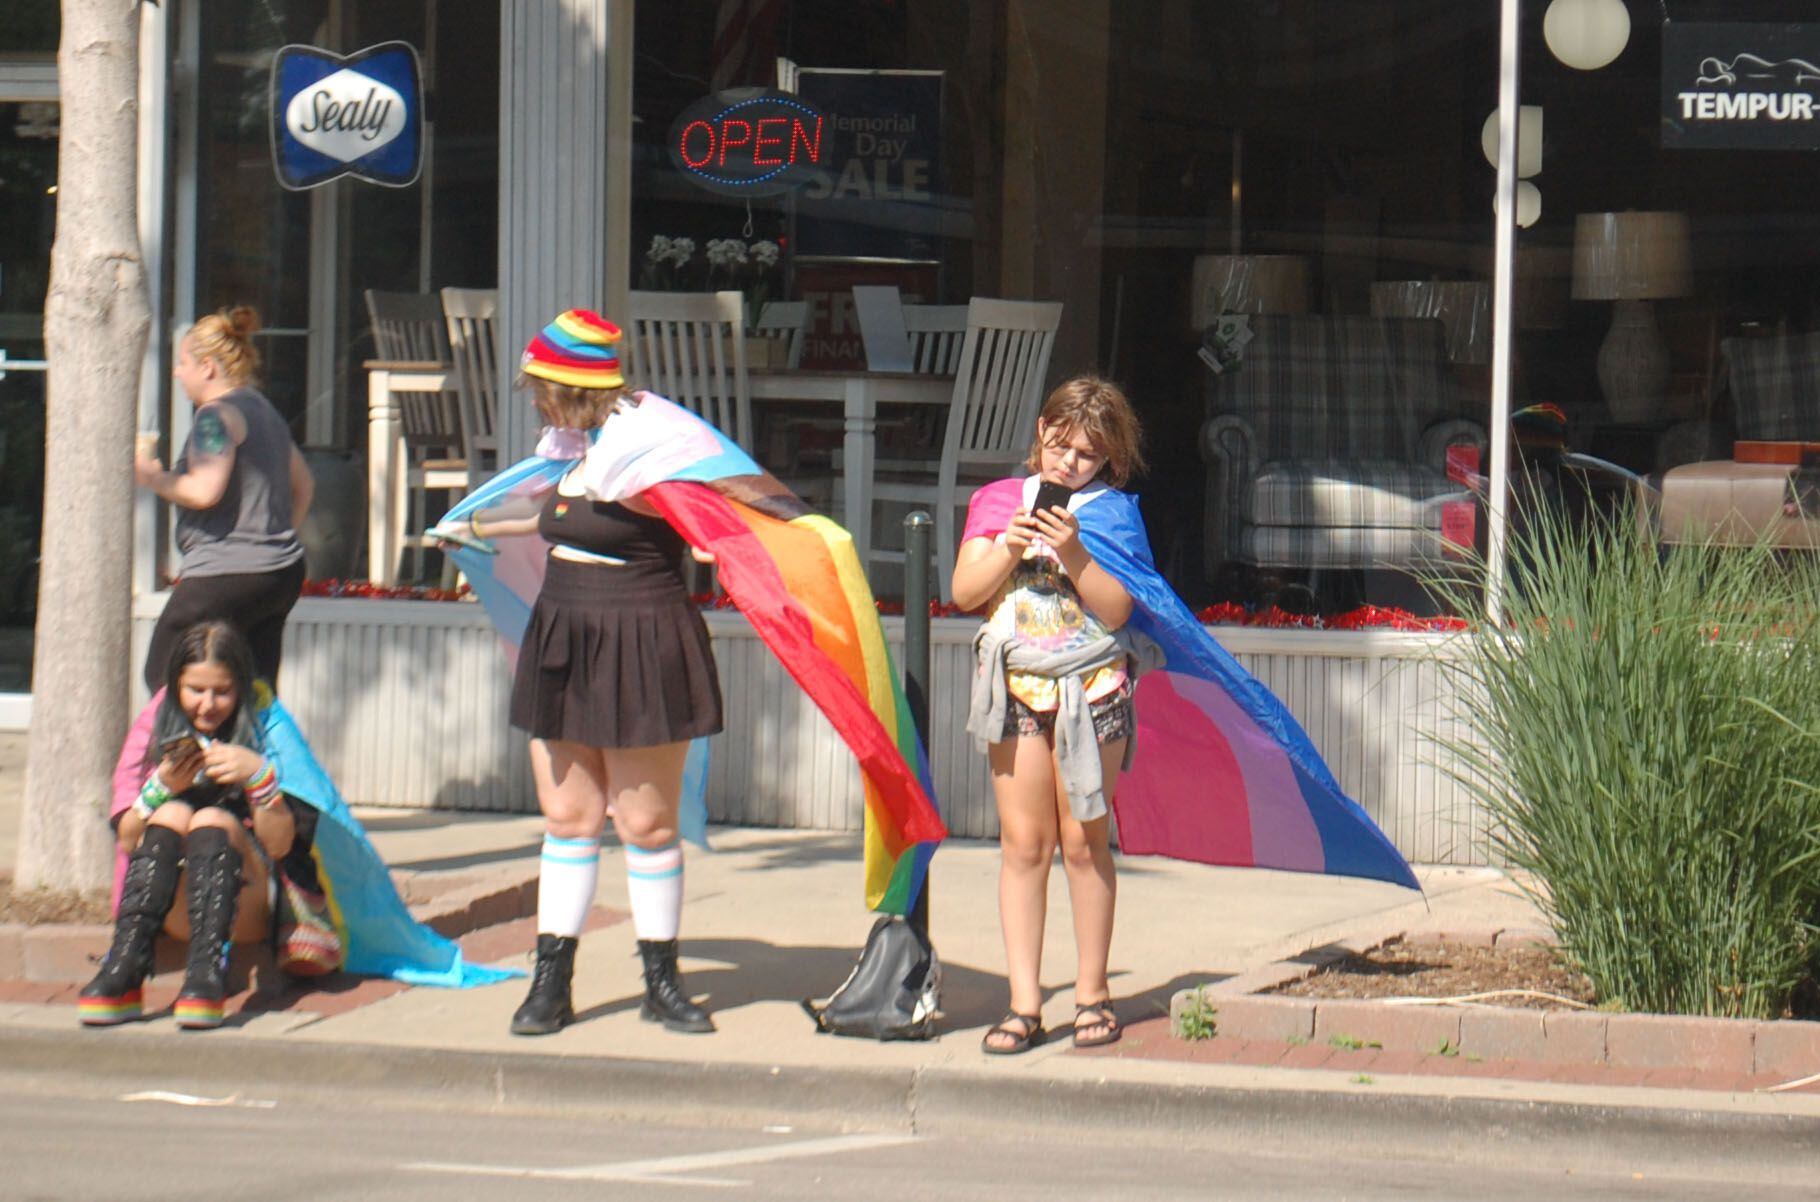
(1653,1045)
(63,953)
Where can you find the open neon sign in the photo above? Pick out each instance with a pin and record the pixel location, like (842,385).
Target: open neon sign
(748,141)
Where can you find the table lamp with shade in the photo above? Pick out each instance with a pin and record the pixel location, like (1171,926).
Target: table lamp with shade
(1632,258)
(1248,284)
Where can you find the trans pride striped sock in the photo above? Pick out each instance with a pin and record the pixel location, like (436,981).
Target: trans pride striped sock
(654,879)
(565,884)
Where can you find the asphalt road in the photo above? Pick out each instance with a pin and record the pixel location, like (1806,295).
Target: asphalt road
(68,1138)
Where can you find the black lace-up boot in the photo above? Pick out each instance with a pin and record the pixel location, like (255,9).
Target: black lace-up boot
(547,1009)
(665,1002)
(214,895)
(117,993)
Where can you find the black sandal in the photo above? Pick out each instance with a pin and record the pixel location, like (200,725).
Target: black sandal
(1023,1038)
(1103,1016)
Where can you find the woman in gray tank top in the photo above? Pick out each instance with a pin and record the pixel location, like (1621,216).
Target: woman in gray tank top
(240,488)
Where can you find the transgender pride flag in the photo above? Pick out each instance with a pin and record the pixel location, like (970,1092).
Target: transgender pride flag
(1222,773)
(794,576)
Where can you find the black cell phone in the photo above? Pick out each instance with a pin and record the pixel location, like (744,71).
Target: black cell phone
(179,747)
(1050,495)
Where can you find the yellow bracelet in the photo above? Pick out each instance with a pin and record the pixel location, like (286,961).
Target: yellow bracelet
(474,526)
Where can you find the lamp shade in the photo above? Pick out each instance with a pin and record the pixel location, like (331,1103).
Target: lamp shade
(1462,306)
(1631,256)
(1248,284)
(1586,34)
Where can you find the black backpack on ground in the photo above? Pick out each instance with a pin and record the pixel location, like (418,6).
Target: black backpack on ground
(893,991)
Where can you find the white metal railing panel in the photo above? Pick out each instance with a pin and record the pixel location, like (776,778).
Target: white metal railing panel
(406,704)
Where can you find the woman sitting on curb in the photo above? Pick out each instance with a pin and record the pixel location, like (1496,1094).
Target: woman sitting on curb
(224,808)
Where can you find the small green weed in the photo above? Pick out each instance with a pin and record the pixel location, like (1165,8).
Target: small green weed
(1352,1043)
(1447,1047)
(1361,1079)
(1197,1017)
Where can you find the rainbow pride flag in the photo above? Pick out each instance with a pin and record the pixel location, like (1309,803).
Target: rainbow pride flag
(1221,773)
(792,573)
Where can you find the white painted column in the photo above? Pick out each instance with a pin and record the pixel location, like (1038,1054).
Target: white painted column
(561,240)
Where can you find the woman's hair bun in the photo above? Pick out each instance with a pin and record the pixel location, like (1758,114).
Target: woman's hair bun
(243,320)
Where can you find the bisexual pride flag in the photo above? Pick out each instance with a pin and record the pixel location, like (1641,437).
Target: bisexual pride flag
(792,573)
(1222,773)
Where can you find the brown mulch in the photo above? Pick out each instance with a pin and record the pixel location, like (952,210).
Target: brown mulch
(1449,970)
(36,907)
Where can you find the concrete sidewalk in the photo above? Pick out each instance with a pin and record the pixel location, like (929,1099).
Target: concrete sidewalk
(775,916)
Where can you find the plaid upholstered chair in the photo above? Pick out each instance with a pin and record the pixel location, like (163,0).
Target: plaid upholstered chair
(1327,445)
(1775,386)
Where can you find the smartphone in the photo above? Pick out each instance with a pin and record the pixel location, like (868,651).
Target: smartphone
(1050,495)
(179,747)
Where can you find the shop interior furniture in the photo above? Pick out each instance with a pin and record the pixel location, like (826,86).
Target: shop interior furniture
(690,347)
(409,332)
(997,393)
(785,323)
(472,315)
(1774,384)
(1328,446)
(936,332)
(1632,258)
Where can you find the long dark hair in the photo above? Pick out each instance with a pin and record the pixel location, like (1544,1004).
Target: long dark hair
(211,642)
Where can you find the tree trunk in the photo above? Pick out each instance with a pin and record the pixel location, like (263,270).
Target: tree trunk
(95,321)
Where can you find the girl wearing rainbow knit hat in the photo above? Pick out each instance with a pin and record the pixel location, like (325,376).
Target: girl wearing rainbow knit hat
(614,679)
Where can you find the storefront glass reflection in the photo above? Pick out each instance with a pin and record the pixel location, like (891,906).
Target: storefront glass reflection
(1274,226)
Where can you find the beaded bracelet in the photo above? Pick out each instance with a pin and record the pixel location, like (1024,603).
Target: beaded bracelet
(262,786)
(152,794)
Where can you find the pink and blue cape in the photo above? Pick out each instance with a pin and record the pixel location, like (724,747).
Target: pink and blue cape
(1221,773)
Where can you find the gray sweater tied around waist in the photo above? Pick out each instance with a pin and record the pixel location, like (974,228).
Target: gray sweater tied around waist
(1077,749)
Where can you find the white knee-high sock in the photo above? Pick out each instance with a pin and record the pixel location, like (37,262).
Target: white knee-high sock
(654,881)
(565,884)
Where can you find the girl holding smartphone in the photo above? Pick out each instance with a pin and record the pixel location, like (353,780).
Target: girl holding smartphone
(1052,700)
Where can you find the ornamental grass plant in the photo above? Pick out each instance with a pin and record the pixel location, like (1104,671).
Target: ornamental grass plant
(1643,723)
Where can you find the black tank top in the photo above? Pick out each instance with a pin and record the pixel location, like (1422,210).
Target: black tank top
(609,528)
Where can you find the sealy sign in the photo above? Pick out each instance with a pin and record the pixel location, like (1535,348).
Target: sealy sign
(747,141)
(1741,86)
(360,114)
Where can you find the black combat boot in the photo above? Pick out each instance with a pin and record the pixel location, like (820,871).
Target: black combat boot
(547,1009)
(214,895)
(665,1002)
(117,993)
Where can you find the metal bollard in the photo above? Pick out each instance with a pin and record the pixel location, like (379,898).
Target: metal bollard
(917,555)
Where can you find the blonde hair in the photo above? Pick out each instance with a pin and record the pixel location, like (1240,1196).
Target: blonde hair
(567,405)
(1100,410)
(227,338)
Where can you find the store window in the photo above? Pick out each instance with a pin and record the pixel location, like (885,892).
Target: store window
(306,259)
(1667,305)
(1273,223)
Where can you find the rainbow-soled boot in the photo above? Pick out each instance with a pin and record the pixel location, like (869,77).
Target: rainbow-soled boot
(117,994)
(214,894)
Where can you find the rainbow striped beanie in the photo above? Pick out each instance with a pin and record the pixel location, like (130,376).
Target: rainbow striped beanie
(576,349)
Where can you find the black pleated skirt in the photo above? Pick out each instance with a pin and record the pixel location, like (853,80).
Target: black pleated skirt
(615,657)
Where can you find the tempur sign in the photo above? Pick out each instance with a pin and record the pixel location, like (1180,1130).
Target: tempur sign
(1741,86)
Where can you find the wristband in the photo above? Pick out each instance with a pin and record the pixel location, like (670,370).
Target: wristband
(262,786)
(474,524)
(152,794)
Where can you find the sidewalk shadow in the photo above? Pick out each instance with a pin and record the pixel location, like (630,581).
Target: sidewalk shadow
(750,970)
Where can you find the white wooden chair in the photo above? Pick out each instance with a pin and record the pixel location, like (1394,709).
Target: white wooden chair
(998,391)
(785,322)
(408,328)
(690,347)
(474,347)
(936,332)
